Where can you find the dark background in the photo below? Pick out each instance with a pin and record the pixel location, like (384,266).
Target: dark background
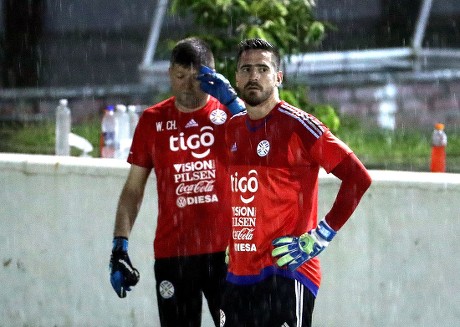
(49,43)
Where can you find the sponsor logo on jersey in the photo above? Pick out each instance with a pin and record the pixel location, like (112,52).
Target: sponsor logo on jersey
(245,247)
(195,182)
(200,187)
(246,185)
(194,166)
(218,116)
(194,176)
(245,234)
(199,144)
(242,212)
(184,201)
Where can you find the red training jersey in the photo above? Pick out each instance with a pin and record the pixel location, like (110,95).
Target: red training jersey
(187,153)
(273,165)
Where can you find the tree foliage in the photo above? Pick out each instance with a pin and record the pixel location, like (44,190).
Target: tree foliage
(290,25)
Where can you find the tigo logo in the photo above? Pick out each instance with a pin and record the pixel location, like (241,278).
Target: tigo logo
(194,142)
(246,185)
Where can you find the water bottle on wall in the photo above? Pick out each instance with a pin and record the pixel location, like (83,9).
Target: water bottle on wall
(438,149)
(108,133)
(122,140)
(133,119)
(63,123)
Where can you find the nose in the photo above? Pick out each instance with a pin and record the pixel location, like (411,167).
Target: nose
(190,82)
(254,75)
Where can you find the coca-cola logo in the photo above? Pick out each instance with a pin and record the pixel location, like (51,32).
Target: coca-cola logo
(246,185)
(200,187)
(194,142)
(245,234)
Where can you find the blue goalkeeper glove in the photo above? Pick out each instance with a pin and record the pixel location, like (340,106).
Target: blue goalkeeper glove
(122,273)
(219,87)
(294,251)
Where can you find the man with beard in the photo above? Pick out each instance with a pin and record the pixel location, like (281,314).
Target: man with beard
(275,153)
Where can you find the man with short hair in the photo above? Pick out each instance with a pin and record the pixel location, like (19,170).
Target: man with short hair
(275,153)
(181,139)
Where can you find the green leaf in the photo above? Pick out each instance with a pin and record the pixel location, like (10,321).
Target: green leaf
(256,32)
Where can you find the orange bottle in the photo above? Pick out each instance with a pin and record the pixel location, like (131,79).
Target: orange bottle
(438,149)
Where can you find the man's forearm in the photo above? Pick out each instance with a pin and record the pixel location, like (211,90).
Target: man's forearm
(127,210)
(355,181)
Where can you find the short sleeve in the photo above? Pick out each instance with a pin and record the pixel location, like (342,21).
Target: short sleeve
(140,152)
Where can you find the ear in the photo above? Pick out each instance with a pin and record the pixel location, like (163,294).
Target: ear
(279,78)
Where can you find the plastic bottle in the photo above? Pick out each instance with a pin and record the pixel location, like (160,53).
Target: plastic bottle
(133,119)
(122,140)
(438,149)
(63,123)
(108,133)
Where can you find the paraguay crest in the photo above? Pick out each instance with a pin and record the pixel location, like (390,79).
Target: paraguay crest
(263,148)
(218,116)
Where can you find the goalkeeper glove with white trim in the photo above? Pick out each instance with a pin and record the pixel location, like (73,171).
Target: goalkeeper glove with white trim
(294,251)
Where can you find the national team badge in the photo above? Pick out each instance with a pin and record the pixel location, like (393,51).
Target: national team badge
(166,289)
(263,148)
(222,318)
(218,117)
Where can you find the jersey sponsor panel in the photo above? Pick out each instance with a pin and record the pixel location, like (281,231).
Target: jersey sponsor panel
(184,151)
(257,223)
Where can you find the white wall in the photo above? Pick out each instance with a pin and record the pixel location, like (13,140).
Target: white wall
(57,217)
(394,264)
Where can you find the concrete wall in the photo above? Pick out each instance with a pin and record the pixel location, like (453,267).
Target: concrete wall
(394,264)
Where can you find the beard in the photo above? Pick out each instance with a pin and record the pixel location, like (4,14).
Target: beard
(254,94)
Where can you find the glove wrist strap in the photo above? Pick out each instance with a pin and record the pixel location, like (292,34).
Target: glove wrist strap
(235,106)
(325,231)
(120,244)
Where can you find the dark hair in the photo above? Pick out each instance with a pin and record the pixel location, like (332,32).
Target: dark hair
(259,44)
(192,51)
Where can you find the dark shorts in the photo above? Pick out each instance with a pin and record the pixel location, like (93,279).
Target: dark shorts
(181,283)
(275,302)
